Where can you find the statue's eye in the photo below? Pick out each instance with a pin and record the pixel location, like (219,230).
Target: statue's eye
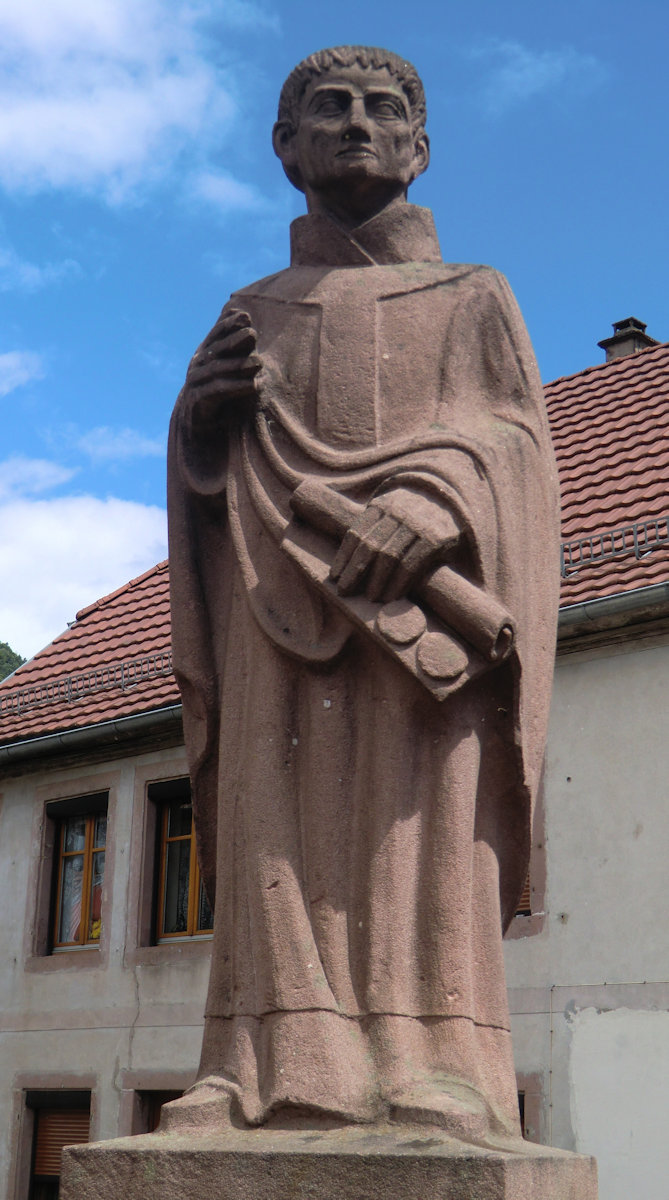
(330,106)
(387,109)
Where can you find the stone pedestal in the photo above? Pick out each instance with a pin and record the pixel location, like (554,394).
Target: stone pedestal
(339,1164)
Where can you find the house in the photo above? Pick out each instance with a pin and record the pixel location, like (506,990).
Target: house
(588,969)
(103,985)
(105,939)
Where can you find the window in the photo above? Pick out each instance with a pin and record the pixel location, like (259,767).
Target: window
(530,1101)
(521,1111)
(61,1119)
(182,909)
(524,908)
(80,841)
(81,868)
(529,917)
(150,1106)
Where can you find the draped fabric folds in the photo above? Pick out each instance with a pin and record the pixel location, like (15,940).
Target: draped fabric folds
(363,823)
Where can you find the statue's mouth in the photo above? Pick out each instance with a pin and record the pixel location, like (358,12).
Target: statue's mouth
(356,151)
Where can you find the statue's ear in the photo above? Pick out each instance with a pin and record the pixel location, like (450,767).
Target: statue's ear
(285,147)
(421,157)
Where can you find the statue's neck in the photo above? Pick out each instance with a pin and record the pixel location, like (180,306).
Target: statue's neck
(349,215)
(399,233)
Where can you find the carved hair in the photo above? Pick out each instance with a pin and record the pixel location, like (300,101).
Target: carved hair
(347,56)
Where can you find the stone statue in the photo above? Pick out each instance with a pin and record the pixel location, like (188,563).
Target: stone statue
(363,547)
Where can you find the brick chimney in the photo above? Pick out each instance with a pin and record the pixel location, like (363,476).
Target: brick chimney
(629,337)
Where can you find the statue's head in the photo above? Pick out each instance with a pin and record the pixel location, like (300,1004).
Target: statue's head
(351,127)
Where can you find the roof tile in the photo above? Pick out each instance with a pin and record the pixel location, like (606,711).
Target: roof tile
(130,624)
(610,426)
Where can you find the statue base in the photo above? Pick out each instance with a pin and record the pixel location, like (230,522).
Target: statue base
(350,1163)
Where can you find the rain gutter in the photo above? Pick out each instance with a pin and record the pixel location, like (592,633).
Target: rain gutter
(610,612)
(159,720)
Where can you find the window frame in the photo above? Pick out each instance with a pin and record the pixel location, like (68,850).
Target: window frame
(148,1106)
(163,795)
(89,852)
(529,917)
(532,1107)
(55,798)
(524,906)
(35,1098)
(153,782)
(89,808)
(139,1087)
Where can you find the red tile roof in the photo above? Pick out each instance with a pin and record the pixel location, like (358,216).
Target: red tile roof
(113,661)
(610,426)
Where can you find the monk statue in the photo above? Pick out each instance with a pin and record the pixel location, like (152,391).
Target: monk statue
(363,549)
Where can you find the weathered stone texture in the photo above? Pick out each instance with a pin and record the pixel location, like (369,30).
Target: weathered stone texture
(311,1165)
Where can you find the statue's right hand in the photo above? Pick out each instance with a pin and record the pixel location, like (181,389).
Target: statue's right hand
(222,377)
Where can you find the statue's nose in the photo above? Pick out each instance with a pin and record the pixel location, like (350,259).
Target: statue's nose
(358,123)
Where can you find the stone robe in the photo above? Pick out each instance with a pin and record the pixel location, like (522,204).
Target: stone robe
(363,791)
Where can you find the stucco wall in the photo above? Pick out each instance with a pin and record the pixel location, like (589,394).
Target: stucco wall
(121,1017)
(622,1055)
(589,991)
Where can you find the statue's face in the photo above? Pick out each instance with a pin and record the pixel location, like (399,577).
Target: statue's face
(355,139)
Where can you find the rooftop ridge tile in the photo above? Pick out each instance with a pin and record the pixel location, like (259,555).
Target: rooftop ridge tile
(120,591)
(615,363)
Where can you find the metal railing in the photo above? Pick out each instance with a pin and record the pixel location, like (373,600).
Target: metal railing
(639,539)
(70,688)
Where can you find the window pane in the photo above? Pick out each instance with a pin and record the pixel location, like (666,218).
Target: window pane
(70,899)
(45,1189)
(100,835)
(55,1129)
(205,917)
(75,833)
(177,872)
(152,1103)
(180,818)
(97,878)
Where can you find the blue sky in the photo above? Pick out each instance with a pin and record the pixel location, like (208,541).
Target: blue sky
(138,188)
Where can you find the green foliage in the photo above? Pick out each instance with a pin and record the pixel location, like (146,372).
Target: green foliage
(9,660)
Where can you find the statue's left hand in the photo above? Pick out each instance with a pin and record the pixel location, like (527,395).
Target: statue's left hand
(398,536)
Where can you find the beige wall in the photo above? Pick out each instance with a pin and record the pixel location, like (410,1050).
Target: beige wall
(120,1017)
(589,992)
(588,989)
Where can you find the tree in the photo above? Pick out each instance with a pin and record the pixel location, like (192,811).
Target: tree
(9,660)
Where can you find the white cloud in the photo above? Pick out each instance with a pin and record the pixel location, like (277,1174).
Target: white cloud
(106,444)
(18,367)
(20,476)
(225,193)
(18,274)
(61,554)
(519,73)
(104,95)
